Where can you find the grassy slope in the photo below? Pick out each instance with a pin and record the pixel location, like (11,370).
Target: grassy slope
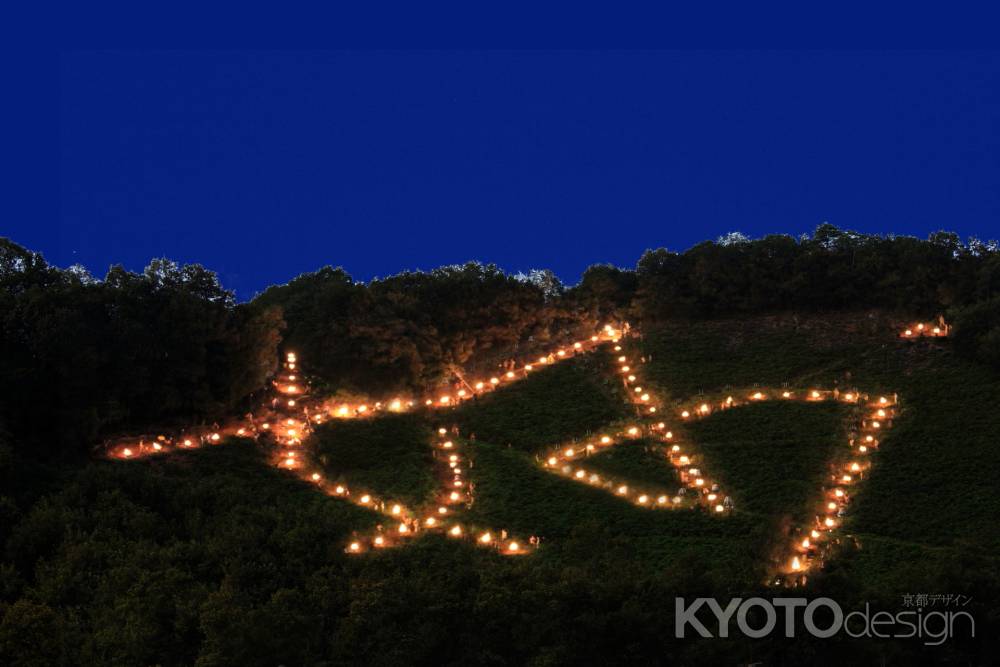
(391,455)
(149,548)
(771,457)
(213,554)
(513,493)
(932,495)
(559,403)
(632,461)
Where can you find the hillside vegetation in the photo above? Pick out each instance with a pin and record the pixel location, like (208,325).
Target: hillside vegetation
(928,499)
(638,461)
(569,400)
(390,455)
(772,456)
(213,557)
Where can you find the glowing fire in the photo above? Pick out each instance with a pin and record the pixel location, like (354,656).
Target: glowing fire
(294,430)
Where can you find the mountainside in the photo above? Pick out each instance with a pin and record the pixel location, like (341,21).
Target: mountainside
(187,480)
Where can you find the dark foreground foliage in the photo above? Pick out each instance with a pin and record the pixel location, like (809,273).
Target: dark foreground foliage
(212,558)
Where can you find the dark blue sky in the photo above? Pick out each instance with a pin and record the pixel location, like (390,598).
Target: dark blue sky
(262,165)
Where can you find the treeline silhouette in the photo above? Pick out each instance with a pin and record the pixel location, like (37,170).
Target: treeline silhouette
(409,330)
(832,269)
(227,560)
(82,357)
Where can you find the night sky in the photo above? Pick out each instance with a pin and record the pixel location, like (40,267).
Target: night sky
(263,165)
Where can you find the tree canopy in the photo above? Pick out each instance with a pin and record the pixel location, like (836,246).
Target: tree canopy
(82,357)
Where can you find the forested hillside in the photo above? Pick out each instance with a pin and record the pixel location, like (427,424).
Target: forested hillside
(83,357)
(213,557)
